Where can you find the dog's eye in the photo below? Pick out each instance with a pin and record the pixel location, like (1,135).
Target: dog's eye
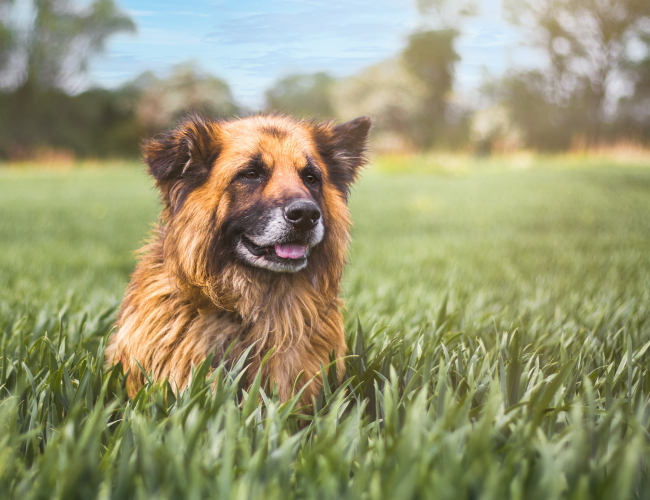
(251,174)
(310,178)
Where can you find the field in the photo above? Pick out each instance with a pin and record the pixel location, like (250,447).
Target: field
(498,322)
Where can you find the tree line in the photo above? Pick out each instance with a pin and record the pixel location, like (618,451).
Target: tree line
(593,88)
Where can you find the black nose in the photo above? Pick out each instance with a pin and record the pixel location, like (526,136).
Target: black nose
(302,214)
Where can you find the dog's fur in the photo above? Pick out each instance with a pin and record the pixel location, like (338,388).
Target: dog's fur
(197,288)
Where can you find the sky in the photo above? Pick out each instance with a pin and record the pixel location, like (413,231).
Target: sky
(252,43)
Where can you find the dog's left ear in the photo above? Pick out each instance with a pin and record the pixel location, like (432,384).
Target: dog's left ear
(181,159)
(343,148)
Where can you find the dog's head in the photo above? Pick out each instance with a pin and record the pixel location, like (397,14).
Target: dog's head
(266,192)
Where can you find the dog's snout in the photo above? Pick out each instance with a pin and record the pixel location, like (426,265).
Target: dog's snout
(302,214)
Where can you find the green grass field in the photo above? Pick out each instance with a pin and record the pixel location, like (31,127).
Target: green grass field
(498,323)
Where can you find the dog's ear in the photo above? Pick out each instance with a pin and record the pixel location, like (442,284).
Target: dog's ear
(181,159)
(343,148)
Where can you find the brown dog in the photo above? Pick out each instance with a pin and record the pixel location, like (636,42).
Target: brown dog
(251,247)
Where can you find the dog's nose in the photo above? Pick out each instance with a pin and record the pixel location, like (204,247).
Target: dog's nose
(302,214)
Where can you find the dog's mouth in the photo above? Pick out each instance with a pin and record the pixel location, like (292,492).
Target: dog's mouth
(291,251)
(288,256)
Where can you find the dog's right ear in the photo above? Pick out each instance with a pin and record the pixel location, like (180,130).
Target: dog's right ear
(182,159)
(343,148)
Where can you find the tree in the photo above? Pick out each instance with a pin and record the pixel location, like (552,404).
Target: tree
(188,89)
(431,58)
(389,93)
(44,60)
(596,52)
(54,50)
(7,38)
(302,95)
(445,13)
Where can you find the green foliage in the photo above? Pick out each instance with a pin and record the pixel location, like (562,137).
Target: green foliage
(498,330)
(164,102)
(303,96)
(410,98)
(97,123)
(446,13)
(50,55)
(593,87)
(102,123)
(390,94)
(40,116)
(63,36)
(7,35)
(431,57)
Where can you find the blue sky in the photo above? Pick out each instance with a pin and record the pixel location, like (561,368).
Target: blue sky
(252,43)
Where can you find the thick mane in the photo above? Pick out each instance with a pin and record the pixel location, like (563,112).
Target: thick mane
(179,324)
(190,295)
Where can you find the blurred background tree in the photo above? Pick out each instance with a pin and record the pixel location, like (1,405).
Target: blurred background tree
(431,57)
(593,87)
(303,95)
(597,54)
(389,93)
(410,97)
(187,90)
(62,38)
(49,60)
(45,65)
(447,13)
(7,39)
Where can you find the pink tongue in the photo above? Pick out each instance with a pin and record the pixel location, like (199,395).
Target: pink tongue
(290,250)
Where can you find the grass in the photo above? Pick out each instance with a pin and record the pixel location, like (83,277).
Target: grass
(498,321)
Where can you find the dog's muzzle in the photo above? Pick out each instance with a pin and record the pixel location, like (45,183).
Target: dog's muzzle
(283,238)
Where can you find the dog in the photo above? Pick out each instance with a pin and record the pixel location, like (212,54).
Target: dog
(249,251)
